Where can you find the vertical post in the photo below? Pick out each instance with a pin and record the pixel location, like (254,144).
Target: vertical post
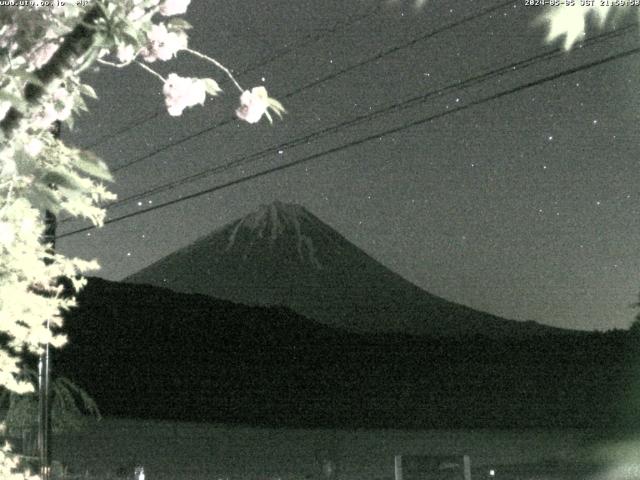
(44,423)
(44,375)
(398,467)
(466,460)
(44,363)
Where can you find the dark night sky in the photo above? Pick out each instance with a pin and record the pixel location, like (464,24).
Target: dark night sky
(525,206)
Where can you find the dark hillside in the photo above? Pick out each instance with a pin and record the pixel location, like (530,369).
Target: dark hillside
(148,352)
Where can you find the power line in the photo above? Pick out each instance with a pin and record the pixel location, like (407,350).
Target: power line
(271,58)
(405,45)
(325,131)
(312,39)
(369,138)
(314,83)
(476,79)
(318,133)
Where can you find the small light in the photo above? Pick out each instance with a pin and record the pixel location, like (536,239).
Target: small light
(492,473)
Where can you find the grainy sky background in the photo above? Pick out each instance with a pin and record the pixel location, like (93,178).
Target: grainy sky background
(525,206)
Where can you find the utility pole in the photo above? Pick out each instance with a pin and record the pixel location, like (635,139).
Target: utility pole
(44,362)
(44,421)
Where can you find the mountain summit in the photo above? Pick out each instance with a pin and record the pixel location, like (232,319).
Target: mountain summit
(290,222)
(282,254)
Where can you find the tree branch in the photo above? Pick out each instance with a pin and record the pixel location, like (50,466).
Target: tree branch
(75,44)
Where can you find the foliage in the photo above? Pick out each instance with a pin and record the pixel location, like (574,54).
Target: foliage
(570,20)
(70,408)
(43,51)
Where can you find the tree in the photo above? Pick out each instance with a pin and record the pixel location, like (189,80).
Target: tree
(70,408)
(43,52)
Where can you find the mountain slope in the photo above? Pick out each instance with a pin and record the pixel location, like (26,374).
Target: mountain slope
(284,255)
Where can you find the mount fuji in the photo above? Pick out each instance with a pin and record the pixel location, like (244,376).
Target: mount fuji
(282,254)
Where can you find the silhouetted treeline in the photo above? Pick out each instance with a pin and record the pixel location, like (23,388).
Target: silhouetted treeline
(148,352)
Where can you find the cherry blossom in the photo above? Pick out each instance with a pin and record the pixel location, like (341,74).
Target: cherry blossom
(4,108)
(126,53)
(59,107)
(163,44)
(182,92)
(136,13)
(7,32)
(252,106)
(254,103)
(34,147)
(174,7)
(43,54)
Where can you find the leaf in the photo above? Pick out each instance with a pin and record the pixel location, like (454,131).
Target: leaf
(276,106)
(79,105)
(176,23)
(91,164)
(70,406)
(89,58)
(61,179)
(17,101)
(88,91)
(43,197)
(211,86)
(131,33)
